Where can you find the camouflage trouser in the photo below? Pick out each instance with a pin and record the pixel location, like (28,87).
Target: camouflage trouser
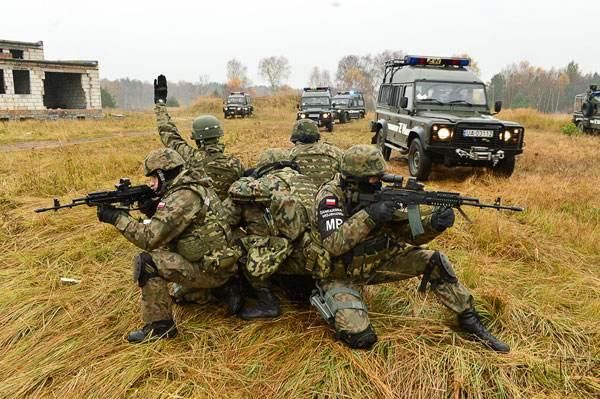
(410,263)
(264,255)
(172,267)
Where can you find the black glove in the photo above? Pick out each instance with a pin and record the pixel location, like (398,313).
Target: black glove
(160,89)
(442,218)
(108,214)
(148,206)
(382,212)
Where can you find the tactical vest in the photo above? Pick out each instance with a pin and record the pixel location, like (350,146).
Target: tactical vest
(206,238)
(223,169)
(319,161)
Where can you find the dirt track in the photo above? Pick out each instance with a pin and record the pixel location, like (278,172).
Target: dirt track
(45,144)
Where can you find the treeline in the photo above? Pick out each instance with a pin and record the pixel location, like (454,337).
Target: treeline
(523,85)
(519,85)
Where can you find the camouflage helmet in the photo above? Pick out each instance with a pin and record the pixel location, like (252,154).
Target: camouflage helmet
(206,127)
(305,131)
(249,189)
(362,160)
(271,155)
(164,159)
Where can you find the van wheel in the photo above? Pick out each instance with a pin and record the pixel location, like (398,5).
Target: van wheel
(380,141)
(505,167)
(419,162)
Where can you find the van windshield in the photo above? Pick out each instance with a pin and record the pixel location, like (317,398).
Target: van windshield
(442,93)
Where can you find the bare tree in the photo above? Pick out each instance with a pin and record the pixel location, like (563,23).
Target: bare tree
(237,74)
(320,77)
(275,70)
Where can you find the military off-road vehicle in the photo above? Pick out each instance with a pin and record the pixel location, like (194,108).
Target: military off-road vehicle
(435,110)
(348,105)
(586,114)
(315,104)
(238,103)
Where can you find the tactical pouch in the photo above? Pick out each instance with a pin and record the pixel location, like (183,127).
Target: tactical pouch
(222,260)
(318,260)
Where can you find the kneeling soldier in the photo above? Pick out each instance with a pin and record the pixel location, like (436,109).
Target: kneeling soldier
(186,241)
(374,245)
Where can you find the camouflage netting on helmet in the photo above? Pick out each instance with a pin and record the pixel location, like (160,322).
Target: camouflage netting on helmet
(163,159)
(272,155)
(206,127)
(305,131)
(362,160)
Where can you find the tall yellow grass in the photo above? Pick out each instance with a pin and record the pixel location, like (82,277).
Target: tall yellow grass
(535,276)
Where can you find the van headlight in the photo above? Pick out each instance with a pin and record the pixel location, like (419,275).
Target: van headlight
(444,133)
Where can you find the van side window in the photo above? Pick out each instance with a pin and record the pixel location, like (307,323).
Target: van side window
(408,92)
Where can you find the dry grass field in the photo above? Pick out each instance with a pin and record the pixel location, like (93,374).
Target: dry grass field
(536,277)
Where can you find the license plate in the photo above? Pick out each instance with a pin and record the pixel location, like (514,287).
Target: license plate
(313,115)
(478,133)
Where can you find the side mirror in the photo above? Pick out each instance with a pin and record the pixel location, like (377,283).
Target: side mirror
(333,104)
(297,106)
(497,106)
(404,102)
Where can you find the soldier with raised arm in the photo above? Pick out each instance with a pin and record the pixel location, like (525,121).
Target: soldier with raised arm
(207,131)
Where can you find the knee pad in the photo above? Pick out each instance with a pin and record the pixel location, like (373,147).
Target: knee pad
(144,268)
(361,340)
(439,263)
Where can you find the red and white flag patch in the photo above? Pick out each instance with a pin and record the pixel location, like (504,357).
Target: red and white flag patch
(160,205)
(330,201)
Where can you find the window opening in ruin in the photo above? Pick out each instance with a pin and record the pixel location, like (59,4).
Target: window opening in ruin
(16,54)
(63,90)
(2,85)
(21,81)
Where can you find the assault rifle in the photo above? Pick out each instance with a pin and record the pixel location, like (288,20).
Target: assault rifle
(125,195)
(413,194)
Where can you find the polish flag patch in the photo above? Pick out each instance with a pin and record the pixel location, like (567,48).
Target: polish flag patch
(160,205)
(330,201)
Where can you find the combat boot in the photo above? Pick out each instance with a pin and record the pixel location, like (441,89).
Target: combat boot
(267,306)
(230,294)
(153,331)
(470,322)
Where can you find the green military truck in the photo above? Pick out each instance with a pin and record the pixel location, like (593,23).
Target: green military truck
(586,114)
(238,103)
(315,104)
(435,110)
(348,105)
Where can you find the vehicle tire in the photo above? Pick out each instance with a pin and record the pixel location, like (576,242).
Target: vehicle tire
(330,127)
(581,126)
(419,162)
(505,167)
(380,141)
(344,118)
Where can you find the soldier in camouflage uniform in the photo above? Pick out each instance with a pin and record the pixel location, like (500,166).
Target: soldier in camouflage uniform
(375,245)
(319,161)
(185,241)
(272,207)
(222,168)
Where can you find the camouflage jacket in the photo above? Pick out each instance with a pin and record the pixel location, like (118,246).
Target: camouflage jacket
(190,220)
(222,168)
(352,240)
(319,161)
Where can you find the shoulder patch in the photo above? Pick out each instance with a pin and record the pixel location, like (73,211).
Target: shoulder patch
(160,205)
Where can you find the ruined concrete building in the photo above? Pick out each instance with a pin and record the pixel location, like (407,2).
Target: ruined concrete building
(32,87)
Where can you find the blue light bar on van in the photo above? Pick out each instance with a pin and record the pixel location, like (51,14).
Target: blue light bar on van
(435,61)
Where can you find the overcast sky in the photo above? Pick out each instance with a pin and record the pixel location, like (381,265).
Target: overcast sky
(184,39)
